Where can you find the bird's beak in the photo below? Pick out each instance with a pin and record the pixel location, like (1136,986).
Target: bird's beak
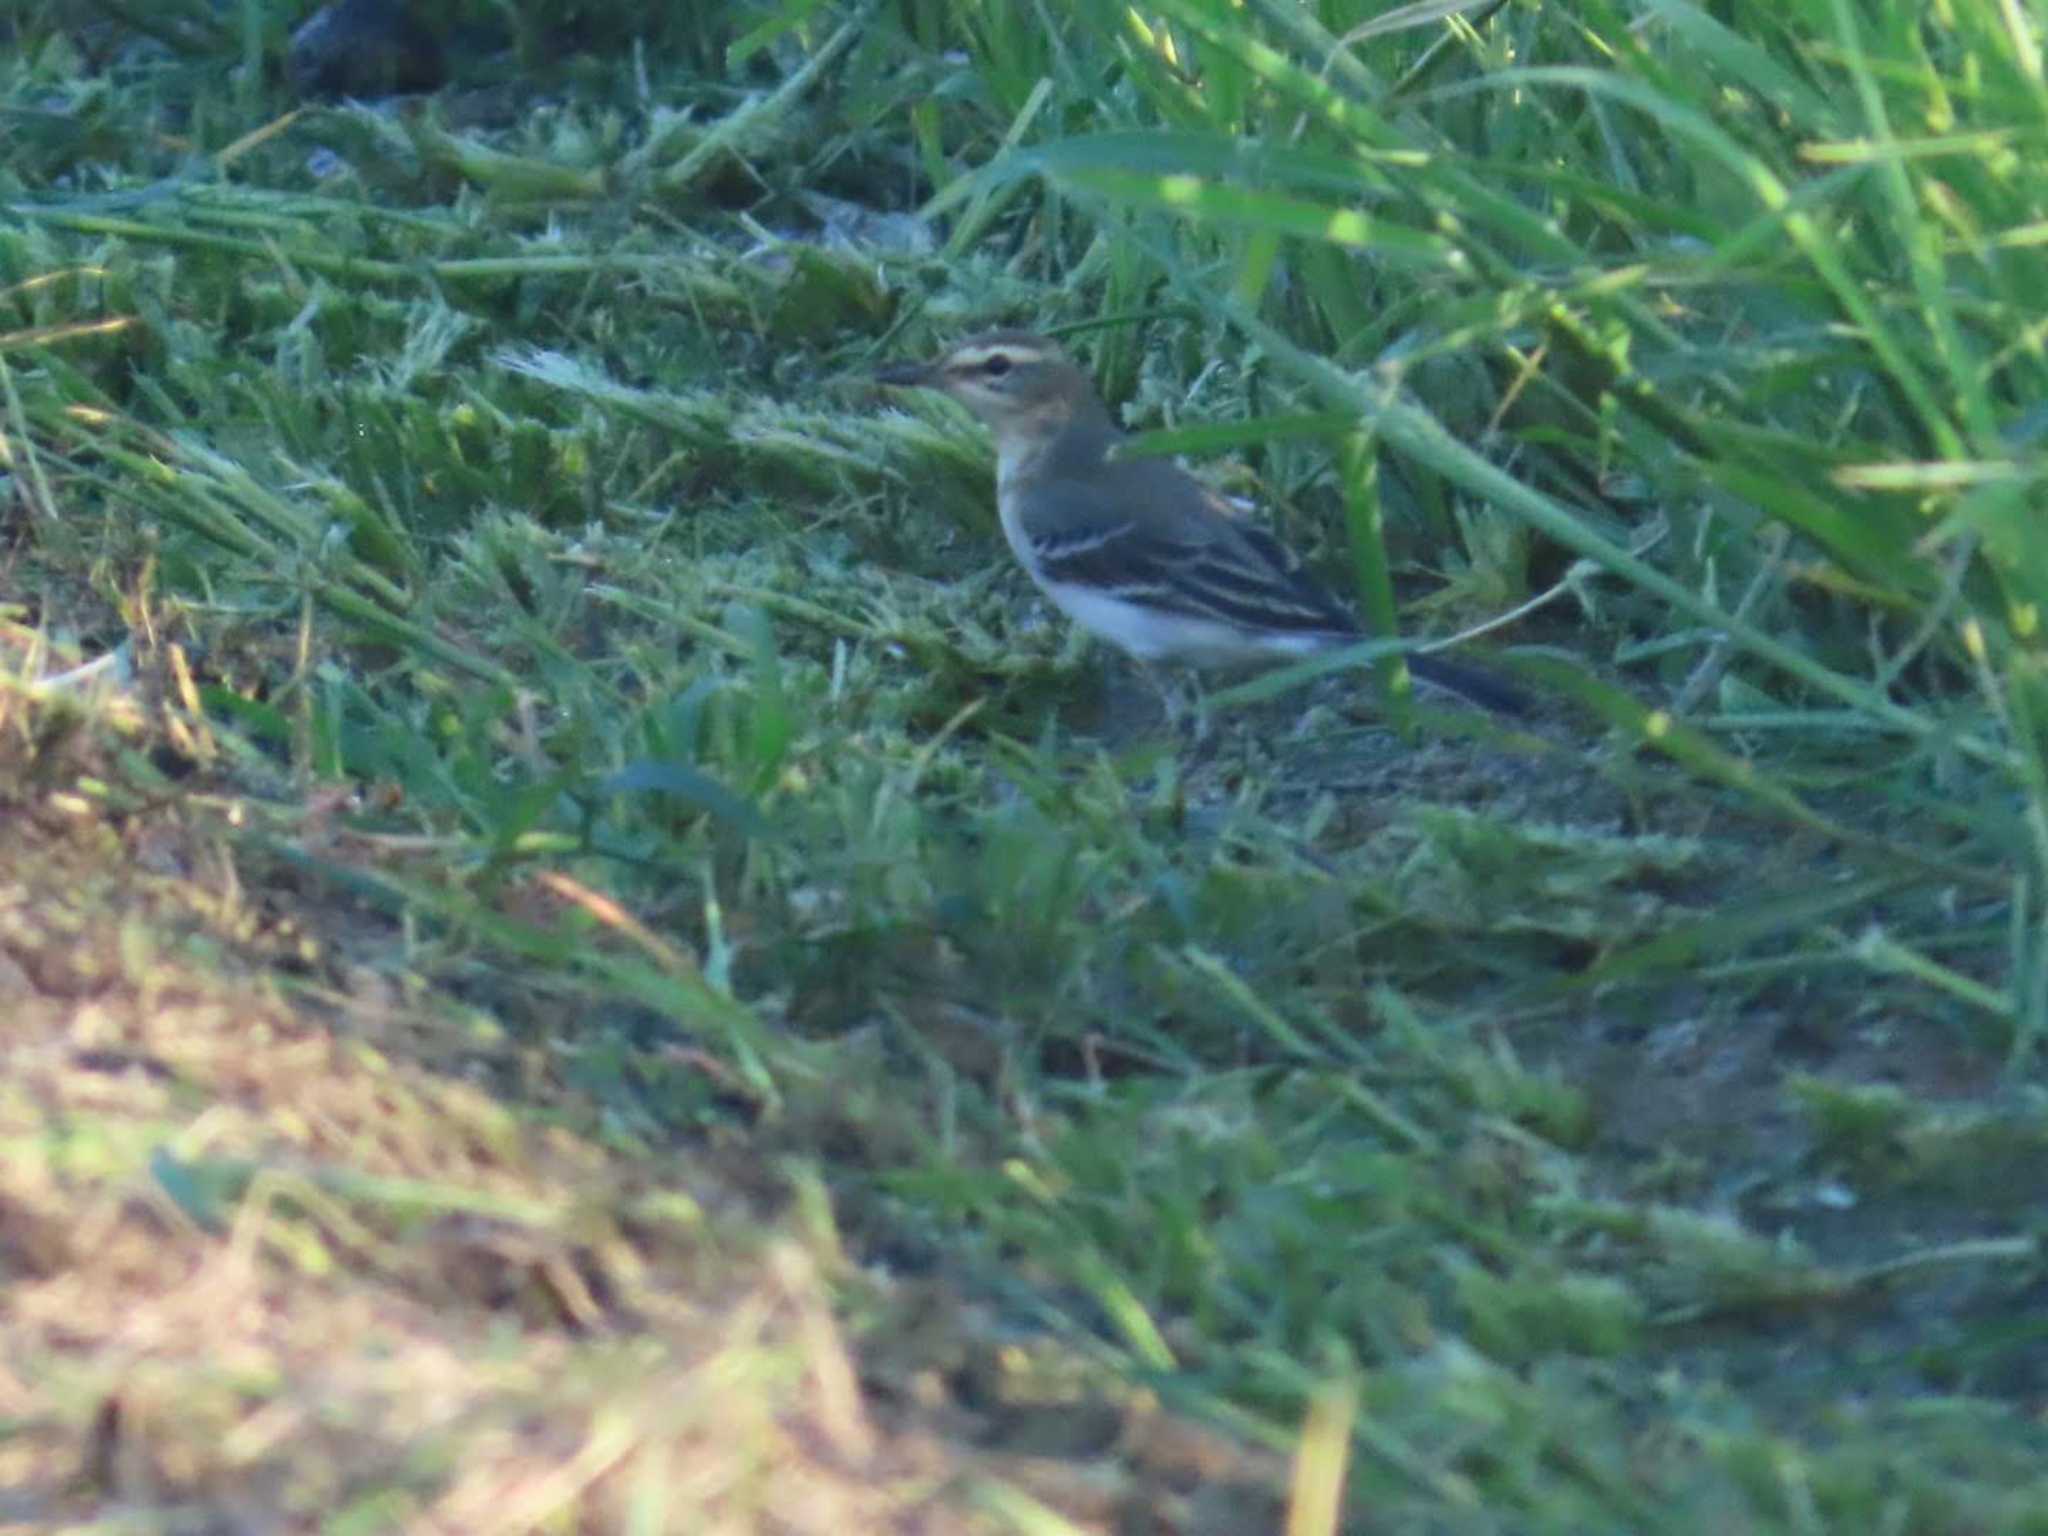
(909,375)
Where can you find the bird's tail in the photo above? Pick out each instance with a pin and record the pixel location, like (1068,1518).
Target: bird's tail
(1475,685)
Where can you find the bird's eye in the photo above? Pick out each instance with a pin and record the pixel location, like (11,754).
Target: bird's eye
(996,366)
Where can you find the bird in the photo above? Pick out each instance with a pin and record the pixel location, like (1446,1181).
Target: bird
(1138,551)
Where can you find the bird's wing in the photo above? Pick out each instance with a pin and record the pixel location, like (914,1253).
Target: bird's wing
(1160,541)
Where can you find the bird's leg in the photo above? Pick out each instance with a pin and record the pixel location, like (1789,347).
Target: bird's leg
(1156,681)
(1186,703)
(1203,729)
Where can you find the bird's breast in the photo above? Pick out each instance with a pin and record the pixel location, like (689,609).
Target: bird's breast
(1013,470)
(1011,510)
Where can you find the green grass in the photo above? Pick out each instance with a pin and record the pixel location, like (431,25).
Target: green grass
(1626,1121)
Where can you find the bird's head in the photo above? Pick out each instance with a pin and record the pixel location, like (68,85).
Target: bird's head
(1022,385)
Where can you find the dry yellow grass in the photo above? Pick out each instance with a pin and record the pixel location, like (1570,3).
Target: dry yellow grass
(277,1259)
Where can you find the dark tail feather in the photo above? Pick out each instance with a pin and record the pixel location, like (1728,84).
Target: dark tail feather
(1475,685)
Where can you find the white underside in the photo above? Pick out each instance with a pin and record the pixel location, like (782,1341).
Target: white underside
(1152,635)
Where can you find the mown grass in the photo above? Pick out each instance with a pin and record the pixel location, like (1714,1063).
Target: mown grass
(586,762)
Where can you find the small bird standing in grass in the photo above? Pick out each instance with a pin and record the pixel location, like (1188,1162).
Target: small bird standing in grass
(1138,551)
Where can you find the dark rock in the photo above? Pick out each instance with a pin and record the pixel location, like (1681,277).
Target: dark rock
(365,48)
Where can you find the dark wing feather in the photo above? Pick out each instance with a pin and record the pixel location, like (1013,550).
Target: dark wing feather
(1182,554)
(1263,572)
(1115,554)
(1179,554)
